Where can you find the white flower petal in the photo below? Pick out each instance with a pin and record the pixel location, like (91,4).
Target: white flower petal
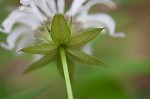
(61,6)
(29,21)
(52,5)
(42,4)
(45,5)
(18,16)
(27,40)
(13,36)
(103,20)
(37,12)
(75,7)
(10,21)
(91,3)
(24,2)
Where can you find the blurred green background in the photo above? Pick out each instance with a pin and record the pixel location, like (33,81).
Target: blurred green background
(128,76)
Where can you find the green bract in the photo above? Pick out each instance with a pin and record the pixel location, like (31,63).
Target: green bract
(57,36)
(60,31)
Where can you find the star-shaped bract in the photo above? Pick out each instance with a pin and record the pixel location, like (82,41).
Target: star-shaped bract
(60,34)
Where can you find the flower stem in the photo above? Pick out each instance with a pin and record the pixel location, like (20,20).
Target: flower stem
(66,72)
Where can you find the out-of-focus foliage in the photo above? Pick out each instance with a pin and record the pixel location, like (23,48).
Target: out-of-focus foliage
(128,76)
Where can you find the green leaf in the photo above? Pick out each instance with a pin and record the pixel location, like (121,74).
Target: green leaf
(42,62)
(85,58)
(70,67)
(44,48)
(60,31)
(85,37)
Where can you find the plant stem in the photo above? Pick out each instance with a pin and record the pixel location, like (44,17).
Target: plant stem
(66,72)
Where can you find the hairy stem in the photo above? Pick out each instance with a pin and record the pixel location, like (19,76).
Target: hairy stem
(66,72)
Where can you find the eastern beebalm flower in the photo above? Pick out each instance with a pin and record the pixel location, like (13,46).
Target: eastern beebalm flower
(59,38)
(33,15)
(62,47)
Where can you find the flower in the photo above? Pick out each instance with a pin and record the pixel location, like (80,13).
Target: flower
(61,43)
(34,14)
(62,47)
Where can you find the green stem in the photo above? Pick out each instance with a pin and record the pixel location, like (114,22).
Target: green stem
(66,72)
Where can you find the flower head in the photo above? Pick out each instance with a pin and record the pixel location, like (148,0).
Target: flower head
(61,38)
(32,16)
(63,47)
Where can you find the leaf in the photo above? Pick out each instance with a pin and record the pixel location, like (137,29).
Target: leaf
(85,58)
(85,37)
(44,48)
(60,31)
(70,67)
(43,61)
